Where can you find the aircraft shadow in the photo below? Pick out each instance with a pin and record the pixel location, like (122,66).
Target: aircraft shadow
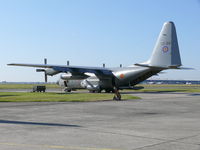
(37,123)
(195,94)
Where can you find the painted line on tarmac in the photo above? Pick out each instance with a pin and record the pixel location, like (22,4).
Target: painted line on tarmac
(54,146)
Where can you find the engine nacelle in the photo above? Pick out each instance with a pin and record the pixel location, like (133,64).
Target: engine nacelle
(51,72)
(69,76)
(66,76)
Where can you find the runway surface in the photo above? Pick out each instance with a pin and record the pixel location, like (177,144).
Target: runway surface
(157,122)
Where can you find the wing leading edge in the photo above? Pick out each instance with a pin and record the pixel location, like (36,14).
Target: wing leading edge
(98,71)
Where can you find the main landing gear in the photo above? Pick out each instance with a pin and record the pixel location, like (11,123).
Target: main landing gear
(117,95)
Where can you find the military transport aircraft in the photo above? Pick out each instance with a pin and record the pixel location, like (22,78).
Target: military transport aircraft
(165,56)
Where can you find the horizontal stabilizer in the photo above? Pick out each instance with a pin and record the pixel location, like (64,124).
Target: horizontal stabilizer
(163,67)
(155,67)
(185,68)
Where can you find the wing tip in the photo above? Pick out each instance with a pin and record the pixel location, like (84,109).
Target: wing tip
(10,64)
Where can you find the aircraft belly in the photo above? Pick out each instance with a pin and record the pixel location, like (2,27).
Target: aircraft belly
(132,77)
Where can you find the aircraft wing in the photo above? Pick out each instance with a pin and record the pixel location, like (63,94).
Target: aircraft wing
(100,72)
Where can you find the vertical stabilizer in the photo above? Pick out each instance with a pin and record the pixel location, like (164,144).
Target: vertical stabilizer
(166,51)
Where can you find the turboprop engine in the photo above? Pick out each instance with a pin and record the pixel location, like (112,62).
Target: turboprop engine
(51,72)
(70,76)
(48,71)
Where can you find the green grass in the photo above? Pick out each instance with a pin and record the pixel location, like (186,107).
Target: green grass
(170,85)
(83,97)
(170,90)
(30,86)
(58,97)
(25,86)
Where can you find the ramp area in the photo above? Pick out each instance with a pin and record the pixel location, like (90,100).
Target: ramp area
(158,121)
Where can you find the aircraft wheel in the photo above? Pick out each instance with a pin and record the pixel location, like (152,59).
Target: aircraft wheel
(99,91)
(107,91)
(116,98)
(92,91)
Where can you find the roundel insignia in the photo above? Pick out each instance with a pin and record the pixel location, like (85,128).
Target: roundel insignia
(121,76)
(165,49)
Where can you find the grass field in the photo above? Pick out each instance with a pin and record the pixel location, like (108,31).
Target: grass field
(58,97)
(167,90)
(170,85)
(82,97)
(30,86)
(25,86)
(171,88)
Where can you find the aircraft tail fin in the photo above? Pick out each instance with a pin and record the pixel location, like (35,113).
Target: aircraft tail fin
(166,51)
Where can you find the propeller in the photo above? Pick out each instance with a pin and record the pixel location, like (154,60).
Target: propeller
(45,75)
(43,70)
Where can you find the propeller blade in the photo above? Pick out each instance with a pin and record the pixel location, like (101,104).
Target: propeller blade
(43,70)
(45,61)
(45,75)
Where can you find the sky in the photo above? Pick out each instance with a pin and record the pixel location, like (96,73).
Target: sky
(93,32)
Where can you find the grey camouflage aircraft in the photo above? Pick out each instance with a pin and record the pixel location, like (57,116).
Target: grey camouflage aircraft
(165,56)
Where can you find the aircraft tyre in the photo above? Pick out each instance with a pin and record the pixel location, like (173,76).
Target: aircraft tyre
(92,91)
(107,90)
(116,98)
(67,90)
(99,91)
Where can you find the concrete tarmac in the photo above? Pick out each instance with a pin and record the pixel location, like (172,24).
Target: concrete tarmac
(164,121)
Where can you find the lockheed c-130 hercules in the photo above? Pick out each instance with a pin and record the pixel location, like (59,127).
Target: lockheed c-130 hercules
(165,56)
